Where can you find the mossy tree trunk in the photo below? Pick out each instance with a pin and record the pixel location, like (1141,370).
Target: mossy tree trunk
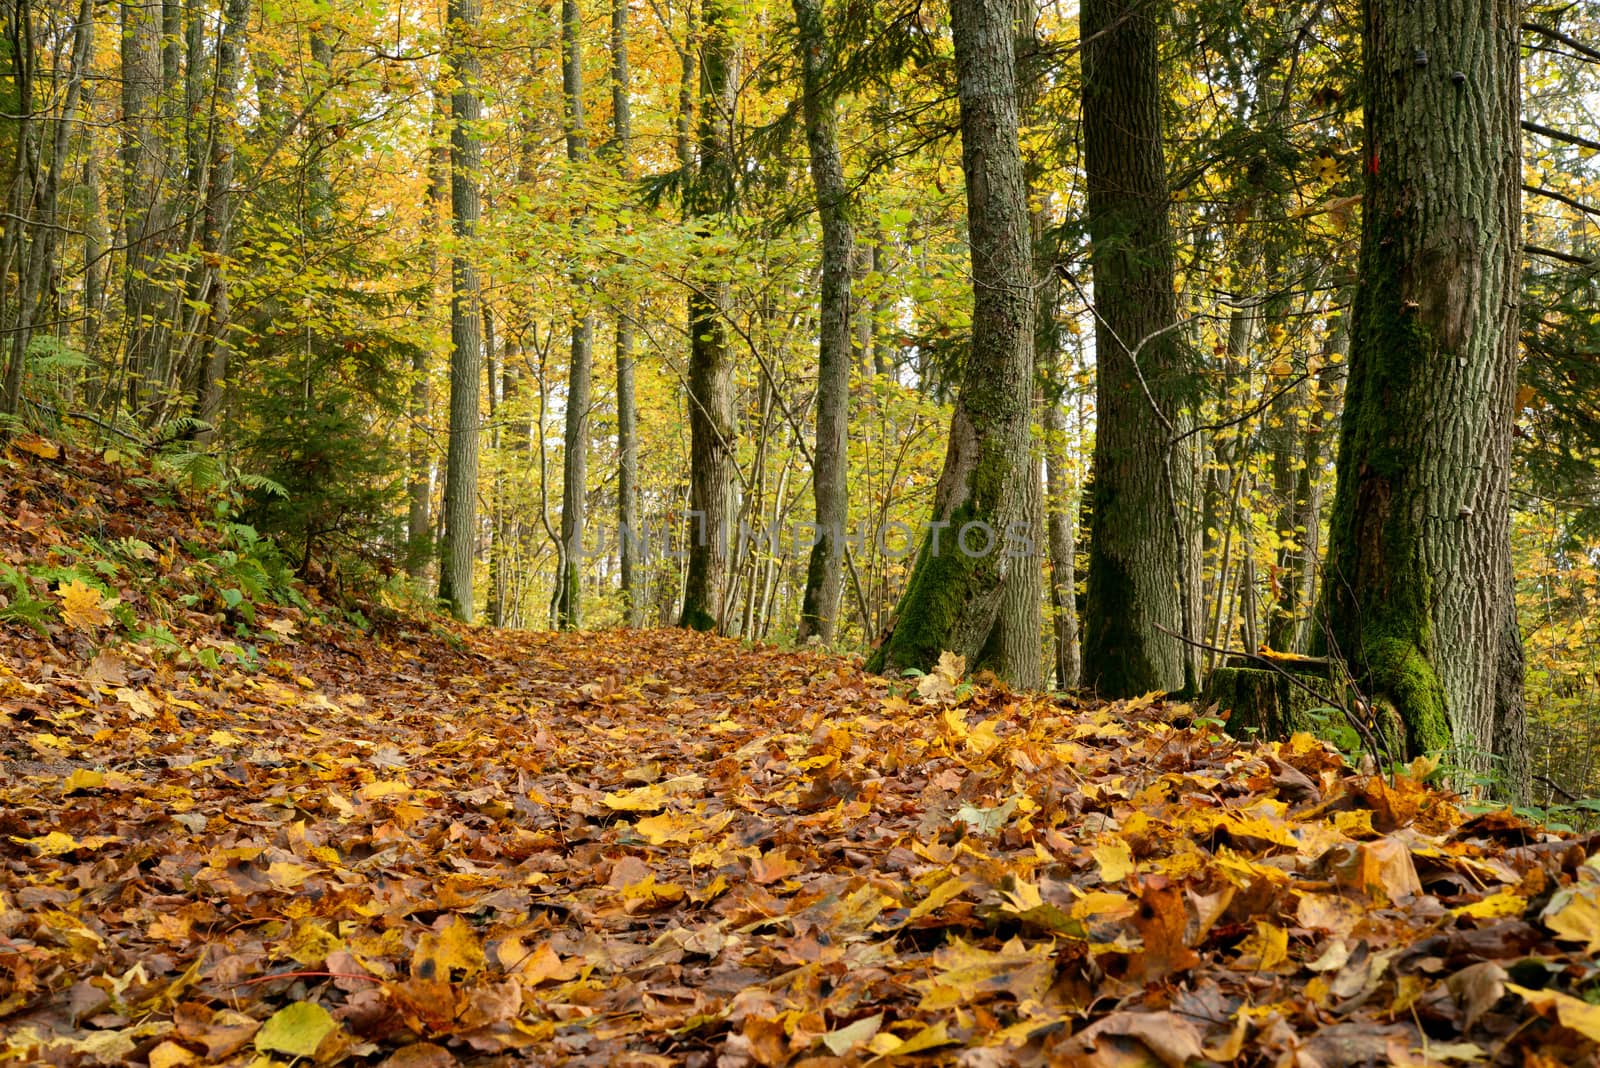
(711,426)
(980,533)
(1418,590)
(825,572)
(1137,569)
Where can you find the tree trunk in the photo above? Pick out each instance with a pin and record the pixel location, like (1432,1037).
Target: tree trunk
(420,459)
(1063,550)
(1300,532)
(1509,740)
(980,531)
(94,270)
(628,532)
(1418,592)
(466,333)
(19,197)
(34,296)
(711,428)
(580,366)
(217,234)
(1136,565)
(831,461)
(141,182)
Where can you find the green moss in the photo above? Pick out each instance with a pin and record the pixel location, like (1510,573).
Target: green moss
(1263,704)
(1116,648)
(1404,678)
(697,618)
(810,610)
(939,589)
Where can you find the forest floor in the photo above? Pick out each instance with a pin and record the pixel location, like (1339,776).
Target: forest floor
(233,831)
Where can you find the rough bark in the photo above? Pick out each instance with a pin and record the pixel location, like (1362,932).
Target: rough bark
(34,295)
(711,427)
(217,232)
(633,592)
(830,460)
(1134,573)
(1063,550)
(979,528)
(19,195)
(1513,770)
(459,544)
(419,482)
(1015,649)
(1417,588)
(580,365)
(141,182)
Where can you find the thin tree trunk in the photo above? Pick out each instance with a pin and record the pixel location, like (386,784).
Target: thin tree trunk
(219,212)
(1063,550)
(466,342)
(419,482)
(1302,531)
(20,198)
(141,184)
(830,460)
(628,532)
(94,271)
(580,366)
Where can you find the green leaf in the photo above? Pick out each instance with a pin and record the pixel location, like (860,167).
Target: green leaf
(296,1030)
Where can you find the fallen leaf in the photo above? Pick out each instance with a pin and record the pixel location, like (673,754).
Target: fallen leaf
(296,1029)
(82,606)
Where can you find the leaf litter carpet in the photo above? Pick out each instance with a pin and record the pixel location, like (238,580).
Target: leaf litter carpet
(459,846)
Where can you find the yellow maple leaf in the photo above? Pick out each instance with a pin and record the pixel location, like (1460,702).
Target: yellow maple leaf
(1115,858)
(1504,903)
(1264,950)
(455,947)
(1574,916)
(54,844)
(968,973)
(950,667)
(40,447)
(82,606)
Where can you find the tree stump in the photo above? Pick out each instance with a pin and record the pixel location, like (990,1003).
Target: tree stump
(1260,703)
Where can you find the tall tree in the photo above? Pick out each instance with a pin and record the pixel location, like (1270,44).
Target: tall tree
(580,365)
(1136,569)
(220,208)
(629,533)
(459,545)
(34,197)
(711,425)
(142,173)
(830,461)
(1418,589)
(419,480)
(981,530)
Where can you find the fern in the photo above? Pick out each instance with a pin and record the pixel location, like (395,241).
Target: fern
(22,604)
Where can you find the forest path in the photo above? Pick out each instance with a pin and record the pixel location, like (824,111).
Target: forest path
(274,837)
(662,847)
